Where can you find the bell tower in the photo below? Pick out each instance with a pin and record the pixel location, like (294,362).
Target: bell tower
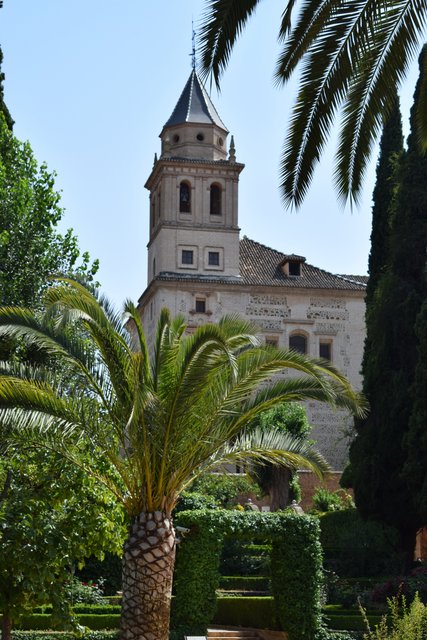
(193,189)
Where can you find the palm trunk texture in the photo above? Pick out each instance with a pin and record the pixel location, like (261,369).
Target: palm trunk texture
(148,563)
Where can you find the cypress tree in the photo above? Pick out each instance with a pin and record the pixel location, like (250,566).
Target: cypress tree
(3,107)
(379,453)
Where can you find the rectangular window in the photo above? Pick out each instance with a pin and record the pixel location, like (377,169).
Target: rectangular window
(325,350)
(294,268)
(272,341)
(213,258)
(187,256)
(200,305)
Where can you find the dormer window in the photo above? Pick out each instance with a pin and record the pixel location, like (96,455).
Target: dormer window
(184,197)
(294,268)
(292,265)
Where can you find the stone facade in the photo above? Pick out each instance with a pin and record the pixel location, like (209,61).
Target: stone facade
(198,267)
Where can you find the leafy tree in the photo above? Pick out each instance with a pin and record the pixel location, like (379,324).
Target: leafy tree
(379,453)
(51,517)
(31,249)
(281,483)
(354,55)
(160,421)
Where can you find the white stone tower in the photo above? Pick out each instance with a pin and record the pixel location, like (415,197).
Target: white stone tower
(194,193)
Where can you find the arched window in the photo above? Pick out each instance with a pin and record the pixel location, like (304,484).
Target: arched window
(154,267)
(215,208)
(184,197)
(298,342)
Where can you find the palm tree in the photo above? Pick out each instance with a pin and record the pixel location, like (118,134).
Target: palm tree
(355,53)
(157,421)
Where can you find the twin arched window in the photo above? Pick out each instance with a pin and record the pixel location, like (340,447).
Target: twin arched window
(215,200)
(184,197)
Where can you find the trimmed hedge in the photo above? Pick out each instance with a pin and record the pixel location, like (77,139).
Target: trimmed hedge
(257,612)
(245,583)
(296,567)
(85,608)
(43,621)
(353,622)
(64,635)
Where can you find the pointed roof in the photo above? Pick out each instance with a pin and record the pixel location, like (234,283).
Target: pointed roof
(195,105)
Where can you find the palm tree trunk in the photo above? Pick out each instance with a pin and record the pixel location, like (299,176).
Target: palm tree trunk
(148,563)
(279,489)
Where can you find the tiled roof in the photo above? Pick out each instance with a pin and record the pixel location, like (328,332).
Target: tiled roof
(362,279)
(195,105)
(260,265)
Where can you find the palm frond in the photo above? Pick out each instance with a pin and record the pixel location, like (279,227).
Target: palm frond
(221,25)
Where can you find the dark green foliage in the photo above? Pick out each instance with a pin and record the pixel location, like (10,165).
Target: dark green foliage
(355,547)
(60,635)
(325,500)
(415,443)
(109,569)
(245,583)
(380,453)
(282,484)
(190,500)
(3,108)
(256,612)
(43,621)
(296,576)
(224,489)
(296,566)
(239,557)
(391,147)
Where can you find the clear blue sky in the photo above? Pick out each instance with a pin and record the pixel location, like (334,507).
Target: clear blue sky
(90,84)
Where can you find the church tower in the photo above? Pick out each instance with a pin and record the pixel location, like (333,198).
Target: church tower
(194,193)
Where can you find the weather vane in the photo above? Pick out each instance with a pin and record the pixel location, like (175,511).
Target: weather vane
(193,51)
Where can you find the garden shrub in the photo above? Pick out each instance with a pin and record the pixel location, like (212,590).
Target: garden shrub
(257,612)
(245,583)
(64,635)
(225,489)
(355,547)
(107,572)
(403,622)
(325,500)
(296,566)
(44,621)
(192,500)
(408,586)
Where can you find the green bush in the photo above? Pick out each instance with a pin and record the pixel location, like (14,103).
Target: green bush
(43,621)
(64,635)
(192,500)
(245,583)
(107,571)
(99,621)
(85,608)
(257,612)
(224,488)
(352,622)
(355,547)
(403,622)
(325,500)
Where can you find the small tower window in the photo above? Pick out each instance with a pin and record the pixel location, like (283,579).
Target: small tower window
(215,203)
(213,258)
(154,267)
(187,256)
(298,342)
(184,197)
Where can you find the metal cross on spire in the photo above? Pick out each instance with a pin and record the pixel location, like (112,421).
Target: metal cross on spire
(193,51)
